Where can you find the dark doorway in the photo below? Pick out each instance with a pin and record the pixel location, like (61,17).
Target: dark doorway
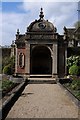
(41,61)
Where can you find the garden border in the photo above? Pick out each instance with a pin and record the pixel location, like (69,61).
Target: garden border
(70,94)
(6,106)
(72,97)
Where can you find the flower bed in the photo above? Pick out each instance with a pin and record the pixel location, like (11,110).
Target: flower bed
(73,86)
(6,86)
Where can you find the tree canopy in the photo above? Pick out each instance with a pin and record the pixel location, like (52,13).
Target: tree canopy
(77,24)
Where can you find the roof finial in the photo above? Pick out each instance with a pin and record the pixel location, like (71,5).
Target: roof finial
(17,31)
(41,14)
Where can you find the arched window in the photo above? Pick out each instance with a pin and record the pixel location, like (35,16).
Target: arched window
(21,60)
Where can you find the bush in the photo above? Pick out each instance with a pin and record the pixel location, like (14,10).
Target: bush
(74,70)
(75,84)
(73,60)
(6,84)
(7,69)
(8,62)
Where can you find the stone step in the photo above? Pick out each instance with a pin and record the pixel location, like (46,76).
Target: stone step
(40,76)
(42,80)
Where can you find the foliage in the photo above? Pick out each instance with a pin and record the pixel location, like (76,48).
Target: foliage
(77,24)
(73,60)
(6,84)
(7,69)
(5,61)
(74,86)
(8,60)
(8,65)
(74,70)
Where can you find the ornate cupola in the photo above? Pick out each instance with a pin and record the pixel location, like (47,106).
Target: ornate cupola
(41,25)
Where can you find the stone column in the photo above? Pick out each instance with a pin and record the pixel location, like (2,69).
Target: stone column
(27,60)
(65,61)
(16,59)
(54,62)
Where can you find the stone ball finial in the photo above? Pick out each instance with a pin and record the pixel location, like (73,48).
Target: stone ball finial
(18,31)
(41,14)
(41,9)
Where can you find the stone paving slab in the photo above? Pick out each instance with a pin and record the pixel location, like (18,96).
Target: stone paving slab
(42,79)
(43,101)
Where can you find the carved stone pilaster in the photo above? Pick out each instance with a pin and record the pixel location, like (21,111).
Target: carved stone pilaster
(27,60)
(65,61)
(54,62)
(16,59)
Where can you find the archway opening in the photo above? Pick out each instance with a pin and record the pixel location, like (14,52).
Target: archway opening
(41,61)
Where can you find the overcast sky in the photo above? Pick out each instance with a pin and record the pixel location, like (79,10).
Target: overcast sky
(20,14)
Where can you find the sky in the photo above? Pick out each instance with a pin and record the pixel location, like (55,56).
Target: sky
(19,15)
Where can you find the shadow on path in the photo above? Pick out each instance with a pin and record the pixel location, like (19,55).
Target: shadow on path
(6,108)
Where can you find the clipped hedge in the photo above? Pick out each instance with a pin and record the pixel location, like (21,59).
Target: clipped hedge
(74,70)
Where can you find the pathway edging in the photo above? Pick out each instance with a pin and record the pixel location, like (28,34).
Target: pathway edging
(11,100)
(73,98)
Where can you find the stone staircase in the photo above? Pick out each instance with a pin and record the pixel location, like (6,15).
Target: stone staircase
(41,79)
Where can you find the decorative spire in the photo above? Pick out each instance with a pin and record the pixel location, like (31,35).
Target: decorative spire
(65,33)
(17,34)
(41,14)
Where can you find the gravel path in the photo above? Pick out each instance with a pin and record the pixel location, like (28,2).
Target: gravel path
(43,101)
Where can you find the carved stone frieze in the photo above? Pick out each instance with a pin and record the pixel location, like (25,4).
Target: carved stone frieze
(42,36)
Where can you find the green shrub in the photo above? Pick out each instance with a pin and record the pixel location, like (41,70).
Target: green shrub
(73,60)
(6,84)
(7,69)
(9,64)
(74,70)
(75,84)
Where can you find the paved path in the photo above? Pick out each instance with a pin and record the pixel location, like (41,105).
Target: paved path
(43,101)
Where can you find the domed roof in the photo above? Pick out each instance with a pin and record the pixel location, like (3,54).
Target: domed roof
(41,25)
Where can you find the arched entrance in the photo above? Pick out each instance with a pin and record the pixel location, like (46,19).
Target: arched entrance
(41,61)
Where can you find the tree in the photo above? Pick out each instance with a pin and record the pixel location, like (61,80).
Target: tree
(77,24)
